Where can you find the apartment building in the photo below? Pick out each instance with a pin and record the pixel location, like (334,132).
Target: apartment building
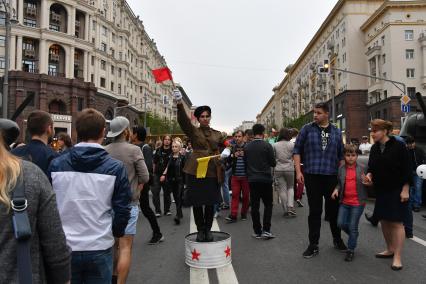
(82,53)
(350,39)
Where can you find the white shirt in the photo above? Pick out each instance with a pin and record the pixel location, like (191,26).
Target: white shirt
(365,148)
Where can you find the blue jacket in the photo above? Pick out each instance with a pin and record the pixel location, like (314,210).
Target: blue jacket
(93,196)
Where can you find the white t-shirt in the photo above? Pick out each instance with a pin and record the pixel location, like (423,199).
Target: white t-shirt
(365,148)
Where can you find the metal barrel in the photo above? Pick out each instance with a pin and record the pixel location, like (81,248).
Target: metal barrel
(208,255)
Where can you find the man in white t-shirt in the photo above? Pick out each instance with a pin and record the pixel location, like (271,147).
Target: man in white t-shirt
(365,146)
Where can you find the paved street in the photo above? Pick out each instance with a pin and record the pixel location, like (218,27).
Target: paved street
(279,260)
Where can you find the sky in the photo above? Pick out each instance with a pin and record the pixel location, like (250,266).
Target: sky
(229,54)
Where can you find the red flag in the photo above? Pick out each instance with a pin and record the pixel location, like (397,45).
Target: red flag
(162,74)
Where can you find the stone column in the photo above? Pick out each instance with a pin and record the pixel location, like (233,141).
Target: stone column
(44,15)
(86,27)
(13,52)
(377,67)
(71,21)
(70,63)
(85,66)
(21,11)
(19,54)
(43,51)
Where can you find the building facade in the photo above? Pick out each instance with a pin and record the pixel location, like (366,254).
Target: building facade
(83,53)
(350,39)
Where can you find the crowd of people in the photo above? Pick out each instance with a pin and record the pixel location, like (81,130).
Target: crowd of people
(83,201)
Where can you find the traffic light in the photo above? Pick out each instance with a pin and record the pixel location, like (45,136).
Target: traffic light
(325,68)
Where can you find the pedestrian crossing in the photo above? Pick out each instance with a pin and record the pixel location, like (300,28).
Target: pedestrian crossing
(225,275)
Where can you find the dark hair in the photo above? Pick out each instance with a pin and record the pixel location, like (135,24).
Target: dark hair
(140,132)
(258,129)
(238,131)
(322,106)
(38,121)
(89,124)
(409,140)
(199,110)
(350,149)
(248,132)
(164,137)
(66,138)
(285,134)
(294,132)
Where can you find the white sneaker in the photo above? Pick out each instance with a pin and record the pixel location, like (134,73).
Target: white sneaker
(267,235)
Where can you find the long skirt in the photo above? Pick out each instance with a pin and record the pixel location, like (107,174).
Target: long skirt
(200,192)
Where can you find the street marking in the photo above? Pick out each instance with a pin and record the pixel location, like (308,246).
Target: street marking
(225,275)
(197,275)
(419,241)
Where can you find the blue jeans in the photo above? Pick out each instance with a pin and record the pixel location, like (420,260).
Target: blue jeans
(91,267)
(225,187)
(416,191)
(348,220)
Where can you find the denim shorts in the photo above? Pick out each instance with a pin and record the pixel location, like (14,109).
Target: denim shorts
(131,225)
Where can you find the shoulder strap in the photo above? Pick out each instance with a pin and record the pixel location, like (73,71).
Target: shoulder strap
(22,229)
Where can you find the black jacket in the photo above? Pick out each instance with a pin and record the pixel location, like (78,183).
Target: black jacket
(161,158)
(175,170)
(416,158)
(259,158)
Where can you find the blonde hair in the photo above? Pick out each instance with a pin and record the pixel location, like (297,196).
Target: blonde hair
(10,169)
(178,142)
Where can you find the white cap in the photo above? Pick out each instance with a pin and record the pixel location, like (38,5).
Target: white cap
(117,126)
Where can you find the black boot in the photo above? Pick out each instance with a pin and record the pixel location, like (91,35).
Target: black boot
(201,237)
(209,236)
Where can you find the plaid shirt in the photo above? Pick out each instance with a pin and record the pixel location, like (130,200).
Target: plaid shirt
(309,147)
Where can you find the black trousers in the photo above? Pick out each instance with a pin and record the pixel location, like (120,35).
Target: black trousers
(203,217)
(146,209)
(176,188)
(318,188)
(258,191)
(156,190)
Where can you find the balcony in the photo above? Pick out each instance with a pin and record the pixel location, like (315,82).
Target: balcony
(29,53)
(374,51)
(30,12)
(56,74)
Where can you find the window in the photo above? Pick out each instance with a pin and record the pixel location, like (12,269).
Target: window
(80,104)
(2,63)
(112,86)
(409,35)
(119,72)
(30,93)
(30,22)
(2,18)
(385,114)
(383,40)
(112,52)
(92,78)
(385,94)
(410,73)
(119,89)
(120,55)
(112,70)
(94,26)
(344,58)
(103,64)
(411,92)
(113,37)
(103,82)
(383,58)
(93,60)
(409,54)
(104,31)
(103,47)
(2,40)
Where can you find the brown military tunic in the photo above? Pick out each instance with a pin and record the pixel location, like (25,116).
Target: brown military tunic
(205,142)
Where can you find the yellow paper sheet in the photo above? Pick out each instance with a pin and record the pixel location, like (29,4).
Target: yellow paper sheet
(202,166)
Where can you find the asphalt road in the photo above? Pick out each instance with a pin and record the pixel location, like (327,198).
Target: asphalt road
(279,260)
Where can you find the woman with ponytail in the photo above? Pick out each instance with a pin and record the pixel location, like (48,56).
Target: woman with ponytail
(50,256)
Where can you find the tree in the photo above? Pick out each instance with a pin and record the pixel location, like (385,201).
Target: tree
(299,122)
(158,125)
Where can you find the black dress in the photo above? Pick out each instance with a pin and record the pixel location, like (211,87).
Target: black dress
(390,170)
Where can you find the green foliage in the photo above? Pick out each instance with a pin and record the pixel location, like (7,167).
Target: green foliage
(299,122)
(158,125)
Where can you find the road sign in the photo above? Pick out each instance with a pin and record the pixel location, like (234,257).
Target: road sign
(405,100)
(405,108)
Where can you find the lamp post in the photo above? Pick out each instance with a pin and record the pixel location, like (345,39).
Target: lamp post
(8,26)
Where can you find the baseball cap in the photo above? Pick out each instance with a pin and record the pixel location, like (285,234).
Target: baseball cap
(117,126)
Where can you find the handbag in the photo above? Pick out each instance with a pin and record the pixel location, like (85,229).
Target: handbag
(22,231)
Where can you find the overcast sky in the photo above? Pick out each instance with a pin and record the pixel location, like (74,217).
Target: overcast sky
(229,54)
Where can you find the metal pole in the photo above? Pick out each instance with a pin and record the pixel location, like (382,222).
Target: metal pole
(6,64)
(144,111)
(333,113)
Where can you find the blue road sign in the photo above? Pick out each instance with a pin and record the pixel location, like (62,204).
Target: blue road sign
(405,108)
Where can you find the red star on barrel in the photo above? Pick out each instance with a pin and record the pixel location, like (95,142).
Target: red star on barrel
(196,255)
(228,251)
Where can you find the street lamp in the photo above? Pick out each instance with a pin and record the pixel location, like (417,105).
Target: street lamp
(8,22)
